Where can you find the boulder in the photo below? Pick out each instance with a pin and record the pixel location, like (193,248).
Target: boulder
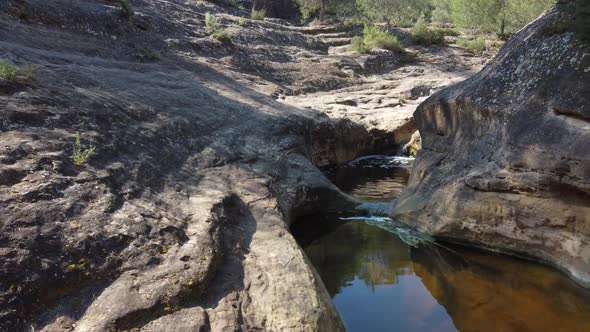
(505,162)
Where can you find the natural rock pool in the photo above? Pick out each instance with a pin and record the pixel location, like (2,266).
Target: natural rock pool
(379,283)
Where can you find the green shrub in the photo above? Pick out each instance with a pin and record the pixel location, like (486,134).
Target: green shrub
(421,34)
(81,155)
(356,44)
(477,45)
(222,36)
(374,37)
(447,32)
(28,72)
(211,22)
(258,14)
(308,8)
(351,22)
(242,22)
(235,4)
(149,54)
(126,8)
(315,22)
(8,71)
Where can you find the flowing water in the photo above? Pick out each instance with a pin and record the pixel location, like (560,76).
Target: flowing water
(379,283)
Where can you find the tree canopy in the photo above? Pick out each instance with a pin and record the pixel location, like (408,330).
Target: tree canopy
(502,16)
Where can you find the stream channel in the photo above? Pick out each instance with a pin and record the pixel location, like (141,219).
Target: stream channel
(379,282)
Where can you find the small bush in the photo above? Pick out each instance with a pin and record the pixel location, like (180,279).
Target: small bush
(126,8)
(242,22)
(349,22)
(149,54)
(258,14)
(235,4)
(477,45)
(315,22)
(10,72)
(352,22)
(421,34)
(211,22)
(374,37)
(356,44)
(28,72)
(447,32)
(81,155)
(222,36)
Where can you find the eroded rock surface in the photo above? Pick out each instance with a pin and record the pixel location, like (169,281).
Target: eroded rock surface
(506,154)
(389,88)
(179,219)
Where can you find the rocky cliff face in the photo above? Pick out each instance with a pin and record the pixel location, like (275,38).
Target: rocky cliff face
(506,154)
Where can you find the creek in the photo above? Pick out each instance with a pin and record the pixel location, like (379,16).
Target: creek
(379,281)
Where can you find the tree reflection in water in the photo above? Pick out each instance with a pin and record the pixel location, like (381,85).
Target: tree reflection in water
(378,283)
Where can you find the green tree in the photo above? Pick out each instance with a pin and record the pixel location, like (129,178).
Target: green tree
(497,15)
(476,14)
(393,11)
(310,8)
(518,13)
(441,12)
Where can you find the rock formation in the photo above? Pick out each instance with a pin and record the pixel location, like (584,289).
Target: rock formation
(179,219)
(505,162)
(181,214)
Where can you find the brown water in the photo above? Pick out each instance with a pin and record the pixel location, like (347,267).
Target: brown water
(379,283)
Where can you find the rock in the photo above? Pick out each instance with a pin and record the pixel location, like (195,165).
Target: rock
(418,91)
(179,219)
(505,162)
(384,88)
(336,50)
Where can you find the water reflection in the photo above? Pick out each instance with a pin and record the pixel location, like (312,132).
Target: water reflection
(373,179)
(488,292)
(378,283)
(369,274)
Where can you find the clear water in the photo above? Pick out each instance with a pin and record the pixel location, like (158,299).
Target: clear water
(378,283)
(376,178)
